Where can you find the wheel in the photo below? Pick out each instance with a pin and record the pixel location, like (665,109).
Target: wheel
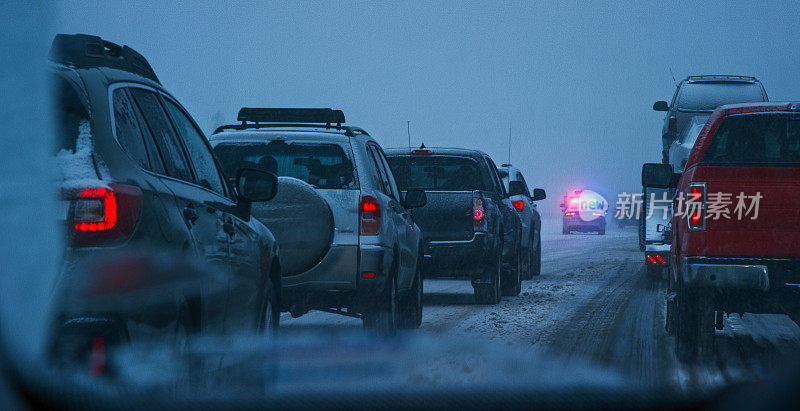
(536,267)
(490,293)
(512,282)
(269,319)
(381,317)
(694,324)
(411,307)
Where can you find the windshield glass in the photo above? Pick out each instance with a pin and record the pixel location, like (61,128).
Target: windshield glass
(358,246)
(708,96)
(321,164)
(441,173)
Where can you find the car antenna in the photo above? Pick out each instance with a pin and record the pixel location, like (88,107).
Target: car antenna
(673,77)
(408,130)
(509,146)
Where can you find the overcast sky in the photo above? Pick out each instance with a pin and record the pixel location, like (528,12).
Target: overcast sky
(574,81)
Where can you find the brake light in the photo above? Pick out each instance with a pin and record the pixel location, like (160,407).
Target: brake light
(100,215)
(368,275)
(655,259)
(696,206)
(369,215)
(672,125)
(519,205)
(570,213)
(479,215)
(420,151)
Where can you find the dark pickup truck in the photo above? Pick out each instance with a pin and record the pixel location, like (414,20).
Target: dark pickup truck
(469,224)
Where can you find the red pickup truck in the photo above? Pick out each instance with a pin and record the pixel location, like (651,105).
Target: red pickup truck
(736,226)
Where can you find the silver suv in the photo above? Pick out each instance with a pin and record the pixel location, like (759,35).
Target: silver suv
(700,95)
(348,243)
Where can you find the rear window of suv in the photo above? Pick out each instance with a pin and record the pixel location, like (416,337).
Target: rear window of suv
(756,139)
(439,173)
(708,96)
(322,164)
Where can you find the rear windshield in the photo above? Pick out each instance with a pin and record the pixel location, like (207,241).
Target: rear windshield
(757,139)
(708,96)
(442,173)
(321,164)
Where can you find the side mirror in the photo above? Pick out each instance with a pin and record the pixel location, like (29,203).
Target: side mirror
(255,185)
(538,194)
(657,175)
(516,188)
(660,106)
(415,199)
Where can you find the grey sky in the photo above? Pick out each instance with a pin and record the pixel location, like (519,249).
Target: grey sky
(575,81)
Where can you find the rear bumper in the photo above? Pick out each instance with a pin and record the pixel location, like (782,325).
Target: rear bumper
(755,285)
(749,276)
(577,223)
(336,281)
(460,259)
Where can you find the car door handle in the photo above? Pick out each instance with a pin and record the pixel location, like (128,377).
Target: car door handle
(190,214)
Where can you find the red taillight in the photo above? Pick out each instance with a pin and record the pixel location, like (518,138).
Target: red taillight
(570,213)
(95,209)
(420,151)
(100,215)
(519,205)
(479,215)
(368,275)
(97,357)
(696,206)
(672,125)
(369,212)
(655,259)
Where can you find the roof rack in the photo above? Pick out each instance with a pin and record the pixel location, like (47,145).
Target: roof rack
(721,77)
(85,51)
(349,131)
(291,117)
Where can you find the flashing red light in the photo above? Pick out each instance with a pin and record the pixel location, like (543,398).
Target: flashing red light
(519,205)
(660,260)
(369,216)
(368,275)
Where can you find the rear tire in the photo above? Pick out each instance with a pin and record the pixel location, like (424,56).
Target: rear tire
(536,267)
(512,283)
(381,318)
(411,307)
(490,293)
(269,319)
(694,324)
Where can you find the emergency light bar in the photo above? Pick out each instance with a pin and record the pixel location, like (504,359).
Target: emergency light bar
(291,115)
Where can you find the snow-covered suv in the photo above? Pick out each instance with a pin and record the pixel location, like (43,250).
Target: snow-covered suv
(348,243)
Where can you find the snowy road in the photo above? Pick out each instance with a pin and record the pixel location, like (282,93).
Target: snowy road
(593,303)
